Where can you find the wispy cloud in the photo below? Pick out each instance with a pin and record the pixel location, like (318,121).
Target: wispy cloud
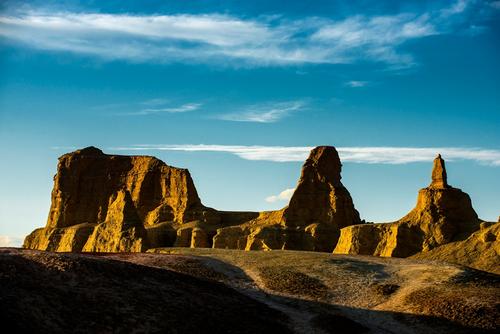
(356,84)
(10,241)
(264,113)
(149,107)
(180,109)
(366,155)
(285,195)
(226,39)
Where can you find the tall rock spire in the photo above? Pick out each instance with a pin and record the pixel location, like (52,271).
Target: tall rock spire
(442,214)
(320,197)
(439,179)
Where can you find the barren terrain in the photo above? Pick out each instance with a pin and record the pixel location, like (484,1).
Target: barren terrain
(182,290)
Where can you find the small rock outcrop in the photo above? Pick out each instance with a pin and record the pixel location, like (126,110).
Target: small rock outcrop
(443,214)
(320,206)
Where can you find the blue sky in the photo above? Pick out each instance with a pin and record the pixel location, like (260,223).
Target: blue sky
(238,91)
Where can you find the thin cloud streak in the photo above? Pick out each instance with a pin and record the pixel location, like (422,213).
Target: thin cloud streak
(225,39)
(183,108)
(356,84)
(264,113)
(170,110)
(363,155)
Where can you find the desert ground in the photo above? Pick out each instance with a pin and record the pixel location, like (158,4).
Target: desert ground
(183,290)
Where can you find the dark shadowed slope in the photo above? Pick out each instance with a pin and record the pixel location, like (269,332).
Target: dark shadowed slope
(55,293)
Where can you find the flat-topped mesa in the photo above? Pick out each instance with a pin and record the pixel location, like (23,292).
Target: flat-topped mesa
(439,178)
(87,178)
(113,198)
(442,214)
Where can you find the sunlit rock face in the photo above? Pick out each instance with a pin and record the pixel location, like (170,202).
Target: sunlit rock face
(88,178)
(113,203)
(319,207)
(111,199)
(442,214)
(481,250)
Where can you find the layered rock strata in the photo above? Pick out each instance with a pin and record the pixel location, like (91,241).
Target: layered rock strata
(106,202)
(443,214)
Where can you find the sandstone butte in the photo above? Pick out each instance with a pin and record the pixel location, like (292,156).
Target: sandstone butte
(113,203)
(443,214)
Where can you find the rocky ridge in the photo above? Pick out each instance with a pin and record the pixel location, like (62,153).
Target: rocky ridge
(112,203)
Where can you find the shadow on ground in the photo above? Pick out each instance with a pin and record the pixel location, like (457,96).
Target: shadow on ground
(154,293)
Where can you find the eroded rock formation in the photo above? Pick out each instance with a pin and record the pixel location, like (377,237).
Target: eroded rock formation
(481,250)
(318,209)
(106,202)
(442,214)
(112,203)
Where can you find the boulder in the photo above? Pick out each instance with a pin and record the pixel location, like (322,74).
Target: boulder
(442,214)
(233,237)
(199,238)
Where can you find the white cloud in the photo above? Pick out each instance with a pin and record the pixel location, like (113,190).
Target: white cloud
(285,195)
(183,108)
(226,39)
(366,155)
(171,110)
(356,84)
(10,241)
(264,113)
(456,8)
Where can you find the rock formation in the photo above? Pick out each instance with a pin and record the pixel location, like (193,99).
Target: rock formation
(481,250)
(104,202)
(121,231)
(319,207)
(112,203)
(442,214)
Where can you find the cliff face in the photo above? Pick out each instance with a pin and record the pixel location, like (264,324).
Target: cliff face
(88,178)
(111,203)
(112,199)
(319,207)
(442,214)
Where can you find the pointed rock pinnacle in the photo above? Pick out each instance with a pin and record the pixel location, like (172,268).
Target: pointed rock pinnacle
(439,179)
